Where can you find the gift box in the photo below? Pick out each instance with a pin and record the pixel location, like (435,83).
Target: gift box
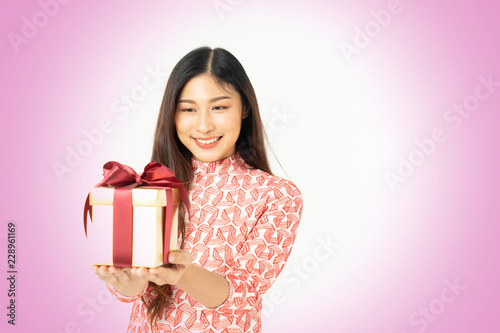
(134,217)
(147,234)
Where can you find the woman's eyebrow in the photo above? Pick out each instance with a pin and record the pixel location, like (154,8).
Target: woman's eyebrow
(215,99)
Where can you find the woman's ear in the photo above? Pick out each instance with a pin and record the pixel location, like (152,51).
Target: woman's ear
(246,112)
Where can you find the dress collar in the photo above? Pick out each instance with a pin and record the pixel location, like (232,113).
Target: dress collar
(223,166)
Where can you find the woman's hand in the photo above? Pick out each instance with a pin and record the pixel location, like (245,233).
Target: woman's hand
(171,273)
(121,279)
(209,288)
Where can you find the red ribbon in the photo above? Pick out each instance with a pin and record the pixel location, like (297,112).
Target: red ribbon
(124,179)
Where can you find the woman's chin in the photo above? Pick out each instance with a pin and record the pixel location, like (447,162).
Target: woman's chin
(211,156)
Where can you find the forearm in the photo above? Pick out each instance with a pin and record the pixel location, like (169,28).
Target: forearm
(131,288)
(208,288)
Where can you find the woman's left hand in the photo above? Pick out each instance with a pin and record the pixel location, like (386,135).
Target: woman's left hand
(160,275)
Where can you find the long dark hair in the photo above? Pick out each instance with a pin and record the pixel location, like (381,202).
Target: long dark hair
(168,149)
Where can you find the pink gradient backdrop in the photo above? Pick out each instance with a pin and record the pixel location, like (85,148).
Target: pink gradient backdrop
(350,123)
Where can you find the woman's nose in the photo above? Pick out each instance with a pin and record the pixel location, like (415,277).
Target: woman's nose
(204,122)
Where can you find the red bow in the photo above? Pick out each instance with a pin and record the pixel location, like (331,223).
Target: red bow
(124,179)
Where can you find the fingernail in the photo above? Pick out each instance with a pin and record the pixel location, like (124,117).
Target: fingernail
(171,258)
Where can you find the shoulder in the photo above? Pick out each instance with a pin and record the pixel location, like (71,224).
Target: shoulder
(274,187)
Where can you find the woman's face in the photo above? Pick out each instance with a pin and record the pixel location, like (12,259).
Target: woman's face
(208,119)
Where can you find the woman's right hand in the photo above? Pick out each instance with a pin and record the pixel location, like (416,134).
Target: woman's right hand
(121,279)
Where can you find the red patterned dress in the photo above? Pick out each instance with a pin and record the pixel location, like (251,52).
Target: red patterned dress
(242,224)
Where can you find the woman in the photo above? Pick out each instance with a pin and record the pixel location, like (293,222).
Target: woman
(242,222)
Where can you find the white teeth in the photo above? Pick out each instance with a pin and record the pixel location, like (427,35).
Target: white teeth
(206,142)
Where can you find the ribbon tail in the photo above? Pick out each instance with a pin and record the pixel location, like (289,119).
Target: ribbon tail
(184,195)
(87,210)
(167,225)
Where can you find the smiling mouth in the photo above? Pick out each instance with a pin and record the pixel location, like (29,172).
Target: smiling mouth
(208,141)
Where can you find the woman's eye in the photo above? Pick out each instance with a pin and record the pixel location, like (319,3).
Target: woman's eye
(218,108)
(187,110)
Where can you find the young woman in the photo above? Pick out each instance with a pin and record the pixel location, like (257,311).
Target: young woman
(242,222)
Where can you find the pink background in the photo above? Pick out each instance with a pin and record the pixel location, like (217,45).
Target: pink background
(337,125)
